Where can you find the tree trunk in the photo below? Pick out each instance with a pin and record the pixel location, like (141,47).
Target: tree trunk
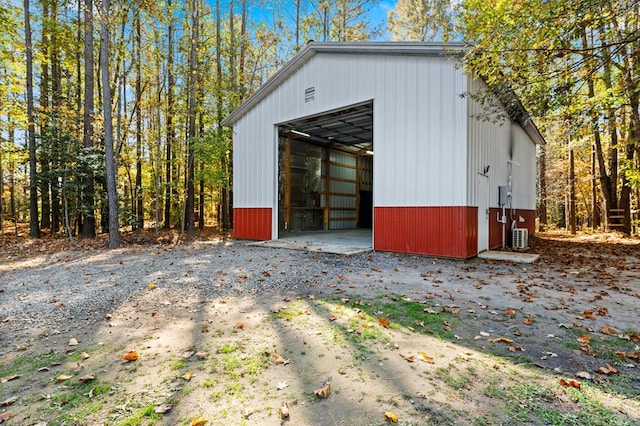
(169,123)
(542,179)
(112,193)
(45,105)
(191,125)
(572,194)
(138,222)
(34,226)
(56,108)
(88,189)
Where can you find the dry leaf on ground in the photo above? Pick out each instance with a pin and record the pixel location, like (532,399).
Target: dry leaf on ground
(9,378)
(501,340)
(390,417)
(188,376)
(131,356)
(284,411)
(199,421)
(279,360)
(163,408)
(324,391)
(426,358)
(570,383)
(584,339)
(63,377)
(9,401)
(608,370)
(608,330)
(5,416)
(384,322)
(87,377)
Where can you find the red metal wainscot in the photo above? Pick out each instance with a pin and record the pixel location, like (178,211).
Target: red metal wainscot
(252,223)
(436,231)
(495,227)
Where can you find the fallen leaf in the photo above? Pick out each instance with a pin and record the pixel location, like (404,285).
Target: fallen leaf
(87,378)
(73,342)
(63,377)
(634,337)
(163,408)
(496,367)
(510,312)
(333,317)
(608,330)
(152,286)
(284,411)
(202,355)
(188,376)
(5,416)
(9,401)
(198,421)
(10,319)
(84,355)
(279,360)
(282,385)
(409,358)
(621,354)
(390,417)
(588,349)
(9,378)
(527,321)
(608,370)
(583,375)
(570,383)
(324,391)
(384,322)
(131,356)
(239,326)
(584,339)
(426,358)
(588,314)
(501,339)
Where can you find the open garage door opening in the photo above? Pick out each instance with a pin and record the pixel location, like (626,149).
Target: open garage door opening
(325,172)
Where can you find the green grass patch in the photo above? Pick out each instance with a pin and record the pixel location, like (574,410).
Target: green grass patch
(145,415)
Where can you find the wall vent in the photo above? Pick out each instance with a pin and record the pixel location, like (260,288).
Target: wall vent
(309,94)
(520,238)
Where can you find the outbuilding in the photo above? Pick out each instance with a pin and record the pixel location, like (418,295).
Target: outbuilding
(385,136)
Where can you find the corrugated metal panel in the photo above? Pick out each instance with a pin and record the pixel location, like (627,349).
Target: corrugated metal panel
(524,174)
(419,141)
(434,231)
(495,228)
(252,223)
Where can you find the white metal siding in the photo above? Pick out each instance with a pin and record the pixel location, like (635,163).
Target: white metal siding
(419,126)
(489,145)
(524,175)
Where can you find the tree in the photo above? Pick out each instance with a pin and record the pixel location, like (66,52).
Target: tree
(112,193)
(575,64)
(88,208)
(420,20)
(34,226)
(189,210)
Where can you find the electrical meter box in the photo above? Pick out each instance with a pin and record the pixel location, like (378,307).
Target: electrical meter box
(503,195)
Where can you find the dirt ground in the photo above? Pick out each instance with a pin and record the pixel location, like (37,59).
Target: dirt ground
(375,339)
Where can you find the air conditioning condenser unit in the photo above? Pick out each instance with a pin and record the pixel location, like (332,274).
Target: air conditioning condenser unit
(520,238)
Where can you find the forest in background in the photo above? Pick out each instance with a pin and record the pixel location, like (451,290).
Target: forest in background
(158,156)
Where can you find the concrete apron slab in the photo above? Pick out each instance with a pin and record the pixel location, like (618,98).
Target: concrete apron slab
(321,247)
(510,256)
